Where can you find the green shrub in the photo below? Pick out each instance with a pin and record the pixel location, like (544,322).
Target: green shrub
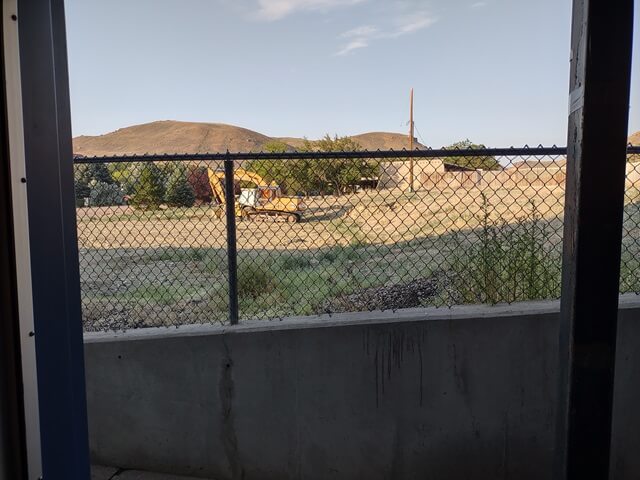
(105,195)
(179,191)
(149,191)
(507,263)
(255,279)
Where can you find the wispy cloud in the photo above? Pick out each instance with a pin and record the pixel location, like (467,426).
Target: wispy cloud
(407,24)
(479,5)
(351,46)
(363,31)
(403,24)
(277,9)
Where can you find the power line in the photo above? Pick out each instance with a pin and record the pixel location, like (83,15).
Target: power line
(419,134)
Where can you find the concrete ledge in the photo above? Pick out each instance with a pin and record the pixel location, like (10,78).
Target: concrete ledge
(462,312)
(99,472)
(466,392)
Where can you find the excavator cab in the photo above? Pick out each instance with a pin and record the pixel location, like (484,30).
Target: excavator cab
(255,197)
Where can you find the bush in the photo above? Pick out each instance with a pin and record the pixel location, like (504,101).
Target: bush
(179,190)
(105,195)
(508,263)
(255,279)
(149,191)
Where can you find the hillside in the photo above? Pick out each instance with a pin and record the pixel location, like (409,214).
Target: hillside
(190,137)
(385,141)
(635,139)
(171,137)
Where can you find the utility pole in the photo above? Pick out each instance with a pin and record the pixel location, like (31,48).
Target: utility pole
(411,142)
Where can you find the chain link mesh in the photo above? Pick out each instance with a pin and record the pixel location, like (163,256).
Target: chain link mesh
(325,233)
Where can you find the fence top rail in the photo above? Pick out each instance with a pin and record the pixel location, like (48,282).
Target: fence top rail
(362,154)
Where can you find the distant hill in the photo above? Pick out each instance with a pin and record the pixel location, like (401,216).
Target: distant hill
(170,136)
(635,139)
(385,141)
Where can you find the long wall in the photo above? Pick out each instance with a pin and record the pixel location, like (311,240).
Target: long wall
(460,393)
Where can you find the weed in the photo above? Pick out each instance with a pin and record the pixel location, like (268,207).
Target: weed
(507,263)
(255,278)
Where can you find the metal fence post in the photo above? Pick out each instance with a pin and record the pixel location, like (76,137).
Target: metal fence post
(232,251)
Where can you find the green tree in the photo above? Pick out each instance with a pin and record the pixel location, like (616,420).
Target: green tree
(325,176)
(276,146)
(126,174)
(336,175)
(484,162)
(278,171)
(105,194)
(81,183)
(149,190)
(99,172)
(179,190)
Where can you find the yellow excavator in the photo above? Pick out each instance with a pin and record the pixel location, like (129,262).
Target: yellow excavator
(264,201)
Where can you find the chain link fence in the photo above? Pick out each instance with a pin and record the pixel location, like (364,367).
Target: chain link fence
(304,233)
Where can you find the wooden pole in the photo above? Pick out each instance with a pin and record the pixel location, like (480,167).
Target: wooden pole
(411,182)
(600,79)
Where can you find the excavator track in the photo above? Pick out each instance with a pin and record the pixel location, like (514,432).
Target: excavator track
(272,216)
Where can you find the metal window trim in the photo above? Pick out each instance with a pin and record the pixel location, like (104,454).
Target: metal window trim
(21,234)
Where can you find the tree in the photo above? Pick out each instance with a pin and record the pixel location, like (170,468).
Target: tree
(149,190)
(99,172)
(88,176)
(179,191)
(276,146)
(484,162)
(105,195)
(198,179)
(126,174)
(81,183)
(336,175)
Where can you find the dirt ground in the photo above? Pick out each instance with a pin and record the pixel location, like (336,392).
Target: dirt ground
(386,217)
(169,267)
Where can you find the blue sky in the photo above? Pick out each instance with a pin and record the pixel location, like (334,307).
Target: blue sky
(494,71)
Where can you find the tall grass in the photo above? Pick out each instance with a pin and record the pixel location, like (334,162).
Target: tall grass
(505,263)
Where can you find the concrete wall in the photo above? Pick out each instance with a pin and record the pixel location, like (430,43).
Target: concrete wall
(460,393)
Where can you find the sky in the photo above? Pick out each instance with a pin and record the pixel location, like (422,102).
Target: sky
(493,71)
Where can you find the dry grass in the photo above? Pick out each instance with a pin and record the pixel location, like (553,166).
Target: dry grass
(371,217)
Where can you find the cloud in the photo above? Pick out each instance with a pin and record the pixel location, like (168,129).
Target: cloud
(479,5)
(403,24)
(412,23)
(363,31)
(277,9)
(351,46)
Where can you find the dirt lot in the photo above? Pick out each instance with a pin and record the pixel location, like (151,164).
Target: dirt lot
(371,250)
(167,267)
(383,217)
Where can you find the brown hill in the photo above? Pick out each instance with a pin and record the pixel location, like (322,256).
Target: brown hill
(635,139)
(385,141)
(171,137)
